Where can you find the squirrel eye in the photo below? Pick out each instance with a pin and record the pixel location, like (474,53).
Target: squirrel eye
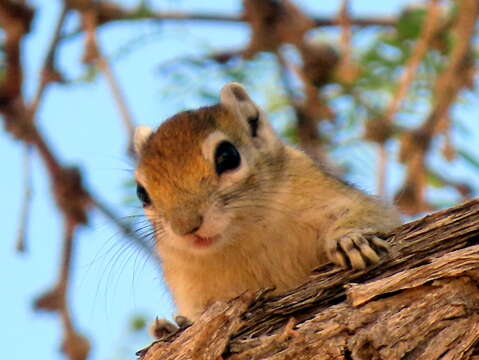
(226,157)
(142,195)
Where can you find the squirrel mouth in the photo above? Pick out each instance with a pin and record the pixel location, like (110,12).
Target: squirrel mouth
(204,242)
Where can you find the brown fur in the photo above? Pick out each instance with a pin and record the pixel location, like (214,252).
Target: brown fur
(279,216)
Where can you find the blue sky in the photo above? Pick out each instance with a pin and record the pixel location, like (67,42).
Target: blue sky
(111,281)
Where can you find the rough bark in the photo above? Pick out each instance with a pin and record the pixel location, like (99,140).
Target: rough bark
(421,303)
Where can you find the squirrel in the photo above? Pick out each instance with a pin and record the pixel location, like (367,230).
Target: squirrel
(234,208)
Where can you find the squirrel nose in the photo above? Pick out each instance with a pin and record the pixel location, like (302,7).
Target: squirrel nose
(184,225)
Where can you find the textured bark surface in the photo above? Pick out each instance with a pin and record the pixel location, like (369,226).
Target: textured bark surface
(421,303)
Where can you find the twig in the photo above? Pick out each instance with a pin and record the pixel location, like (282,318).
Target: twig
(70,227)
(94,55)
(48,67)
(319,21)
(284,69)
(126,229)
(344,20)
(26,202)
(347,73)
(75,346)
(120,99)
(382,170)
(422,46)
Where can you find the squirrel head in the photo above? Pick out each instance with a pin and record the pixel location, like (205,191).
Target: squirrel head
(200,172)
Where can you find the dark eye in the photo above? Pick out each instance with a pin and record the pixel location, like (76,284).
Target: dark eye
(142,195)
(226,157)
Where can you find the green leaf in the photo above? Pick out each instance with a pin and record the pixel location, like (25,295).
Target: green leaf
(435,181)
(470,159)
(291,135)
(89,76)
(410,23)
(137,323)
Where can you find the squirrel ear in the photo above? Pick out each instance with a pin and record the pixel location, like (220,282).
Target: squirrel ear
(233,93)
(142,134)
(236,99)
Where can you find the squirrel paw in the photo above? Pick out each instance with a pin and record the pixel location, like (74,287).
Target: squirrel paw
(356,249)
(162,328)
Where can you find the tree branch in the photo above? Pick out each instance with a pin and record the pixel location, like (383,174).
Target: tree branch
(457,75)
(94,55)
(110,12)
(382,129)
(421,48)
(49,72)
(15,20)
(422,303)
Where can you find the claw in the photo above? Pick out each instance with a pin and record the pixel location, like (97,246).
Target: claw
(357,249)
(355,258)
(366,250)
(381,244)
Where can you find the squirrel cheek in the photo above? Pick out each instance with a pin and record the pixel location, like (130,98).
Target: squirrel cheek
(214,225)
(173,239)
(151,215)
(216,222)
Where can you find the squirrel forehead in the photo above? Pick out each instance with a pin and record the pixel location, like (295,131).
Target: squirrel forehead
(173,152)
(181,134)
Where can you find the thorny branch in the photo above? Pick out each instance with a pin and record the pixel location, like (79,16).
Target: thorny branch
(422,46)
(457,75)
(72,198)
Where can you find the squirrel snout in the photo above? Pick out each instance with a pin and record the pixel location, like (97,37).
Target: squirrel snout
(186,223)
